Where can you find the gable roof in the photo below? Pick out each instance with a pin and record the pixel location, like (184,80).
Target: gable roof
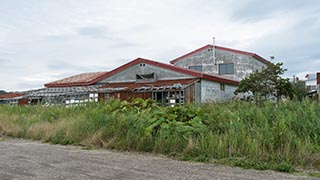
(11,95)
(259,58)
(103,75)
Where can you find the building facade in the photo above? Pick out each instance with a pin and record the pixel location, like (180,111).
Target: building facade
(210,73)
(165,83)
(226,62)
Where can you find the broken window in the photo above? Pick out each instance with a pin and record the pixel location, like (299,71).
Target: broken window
(222,87)
(226,68)
(145,77)
(169,98)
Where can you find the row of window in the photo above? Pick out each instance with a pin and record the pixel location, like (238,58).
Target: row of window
(223,68)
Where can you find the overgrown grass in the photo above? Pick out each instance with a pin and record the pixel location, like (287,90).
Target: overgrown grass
(281,137)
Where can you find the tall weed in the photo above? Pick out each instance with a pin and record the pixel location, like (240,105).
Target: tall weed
(239,133)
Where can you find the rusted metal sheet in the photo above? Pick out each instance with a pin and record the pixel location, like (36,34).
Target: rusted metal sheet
(11,95)
(76,80)
(189,94)
(129,96)
(143,95)
(23,101)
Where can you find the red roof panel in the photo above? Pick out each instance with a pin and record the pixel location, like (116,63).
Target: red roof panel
(10,95)
(76,80)
(165,66)
(102,75)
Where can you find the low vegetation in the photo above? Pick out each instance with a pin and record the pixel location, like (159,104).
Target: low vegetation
(283,137)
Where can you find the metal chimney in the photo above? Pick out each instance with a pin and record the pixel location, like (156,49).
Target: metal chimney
(214,50)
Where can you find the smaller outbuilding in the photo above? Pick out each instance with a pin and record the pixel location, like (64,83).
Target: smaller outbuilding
(13,98)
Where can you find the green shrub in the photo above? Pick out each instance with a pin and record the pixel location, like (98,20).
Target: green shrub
(263,137)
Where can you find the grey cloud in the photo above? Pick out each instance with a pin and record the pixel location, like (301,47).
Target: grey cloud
(296,46)
(124,44)
(62,37)
(302,38)
(256,9)
(62,75)
(122,60)
(95,32)
(167,55)
(103,33)
(60,65)
(98,68)
(4,60)
(142,27)
(30,85)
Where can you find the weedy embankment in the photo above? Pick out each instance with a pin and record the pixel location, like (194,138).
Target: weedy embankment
(281,138)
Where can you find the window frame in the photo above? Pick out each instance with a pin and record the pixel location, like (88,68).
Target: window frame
(222,87)
(194,68)
(150,77)
(225,70)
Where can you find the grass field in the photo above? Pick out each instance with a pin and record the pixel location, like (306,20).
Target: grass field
(283,137)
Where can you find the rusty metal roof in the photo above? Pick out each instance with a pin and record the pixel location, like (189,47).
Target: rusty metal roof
(87,79)
(63,91)
(11,95)
(75,80)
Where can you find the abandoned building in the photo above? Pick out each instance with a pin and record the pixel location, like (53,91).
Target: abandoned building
(313,86)
(210,73)
(216,60)
(165,83)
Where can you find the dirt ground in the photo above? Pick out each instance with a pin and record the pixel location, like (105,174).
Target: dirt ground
(22,159)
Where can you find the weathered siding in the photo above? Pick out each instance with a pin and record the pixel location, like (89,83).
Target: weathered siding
(23,101)
(197,92)
(189,93)
(204,57)
(129,96)
(243,64)
(129,75)
(210,91)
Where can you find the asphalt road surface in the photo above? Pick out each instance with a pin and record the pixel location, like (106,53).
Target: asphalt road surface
(21,159)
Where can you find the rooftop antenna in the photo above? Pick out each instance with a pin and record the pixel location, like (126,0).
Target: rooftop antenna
(214,50)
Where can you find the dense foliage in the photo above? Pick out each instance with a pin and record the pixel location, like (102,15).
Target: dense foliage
(242,134)
(267,83)
(300,90)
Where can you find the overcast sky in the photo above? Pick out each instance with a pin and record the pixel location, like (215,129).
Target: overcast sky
(45,40)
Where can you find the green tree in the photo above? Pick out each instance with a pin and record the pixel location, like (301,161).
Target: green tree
(299,90)
(267,84)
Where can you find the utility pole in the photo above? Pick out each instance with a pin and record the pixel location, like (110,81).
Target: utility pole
(214,50)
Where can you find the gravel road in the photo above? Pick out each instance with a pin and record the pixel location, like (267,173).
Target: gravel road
(22,159)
